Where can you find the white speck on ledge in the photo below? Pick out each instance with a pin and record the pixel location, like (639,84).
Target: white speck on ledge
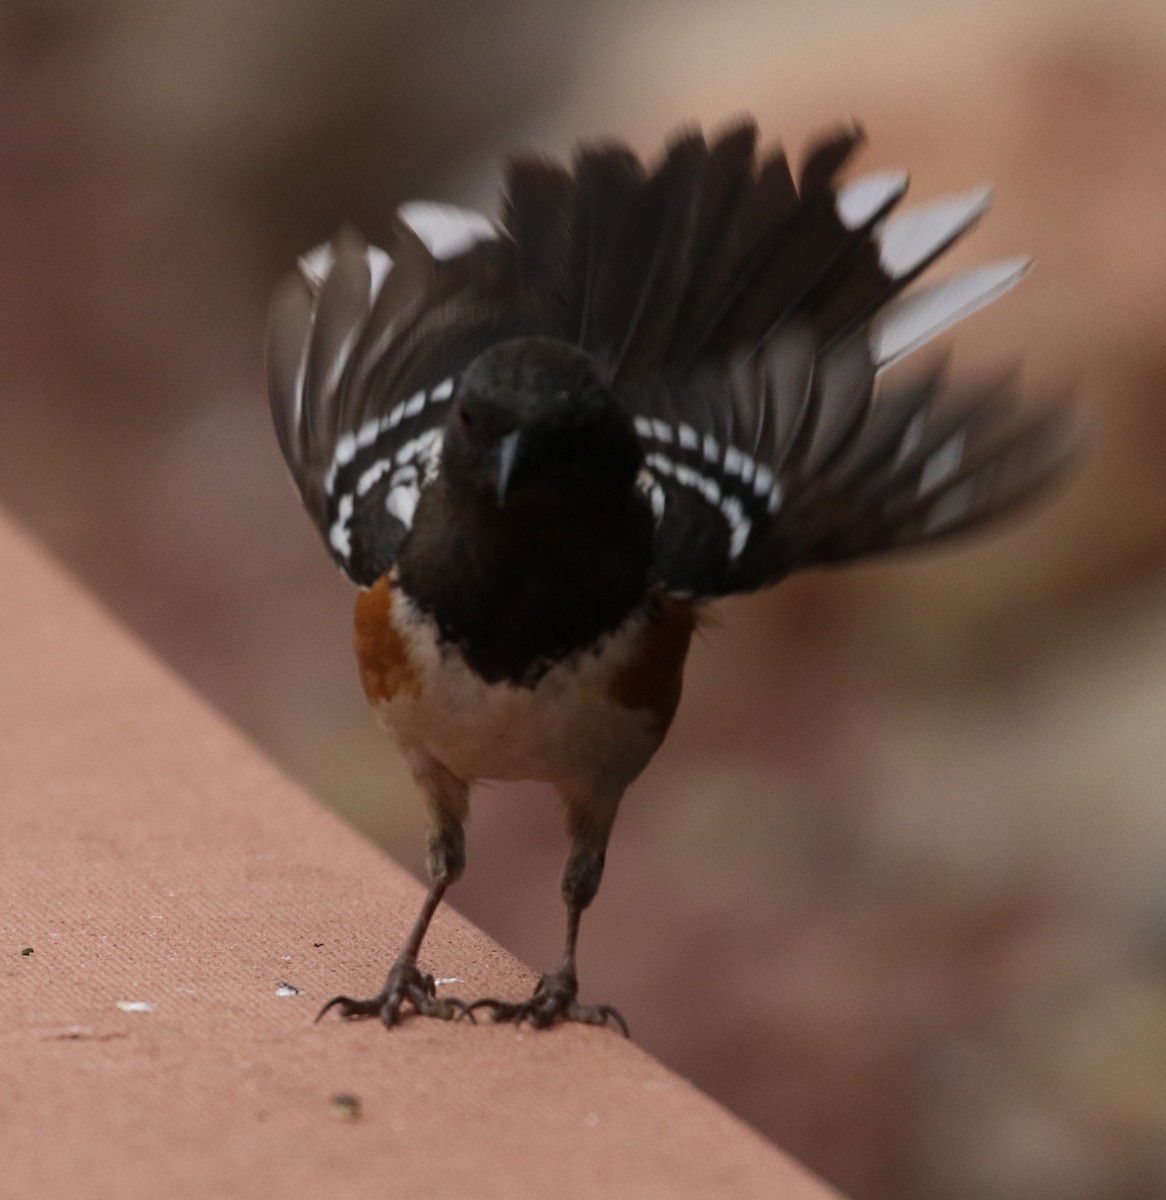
(286,989)
(443,982)
(135,1006)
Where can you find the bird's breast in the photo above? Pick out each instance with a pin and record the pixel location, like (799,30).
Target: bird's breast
(591,720)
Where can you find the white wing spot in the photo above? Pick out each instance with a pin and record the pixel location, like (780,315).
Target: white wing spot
(367,433)
(443,390)
(433,462)
(661,430)
(338,535)
(688,437)
(739,525)
(418,446)
(401,502)
(647,484)
(369,478)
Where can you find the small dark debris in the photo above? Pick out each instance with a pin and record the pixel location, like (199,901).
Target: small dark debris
(82,1033)
(344,1106)
(26,951)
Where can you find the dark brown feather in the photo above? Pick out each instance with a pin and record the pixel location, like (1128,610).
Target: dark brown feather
(538,217)
(607,182)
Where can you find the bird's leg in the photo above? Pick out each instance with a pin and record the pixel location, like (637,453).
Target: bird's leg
(555,997)
(446,859)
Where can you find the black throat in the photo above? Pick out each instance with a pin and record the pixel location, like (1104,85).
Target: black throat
(521,587)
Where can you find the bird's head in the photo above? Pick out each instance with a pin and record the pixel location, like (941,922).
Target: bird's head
(531,415)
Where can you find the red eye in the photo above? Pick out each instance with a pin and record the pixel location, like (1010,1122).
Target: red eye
(464,419)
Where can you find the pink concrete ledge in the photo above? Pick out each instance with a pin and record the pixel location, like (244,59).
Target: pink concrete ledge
(160,880)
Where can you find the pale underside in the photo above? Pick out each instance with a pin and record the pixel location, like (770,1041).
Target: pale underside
(568,729)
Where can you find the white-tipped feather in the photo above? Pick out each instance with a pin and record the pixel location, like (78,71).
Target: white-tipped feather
(315,265)
(379,266)
(914,319)
(861,201)
(909,240)
(446,231)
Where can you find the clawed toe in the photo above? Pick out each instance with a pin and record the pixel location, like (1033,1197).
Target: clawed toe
(552,1003)
(405,982)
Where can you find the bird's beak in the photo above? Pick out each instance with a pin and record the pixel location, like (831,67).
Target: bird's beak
(507,457)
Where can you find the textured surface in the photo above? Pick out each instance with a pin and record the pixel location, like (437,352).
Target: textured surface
(150,855)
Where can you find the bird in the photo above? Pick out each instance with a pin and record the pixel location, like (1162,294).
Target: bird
(542,443)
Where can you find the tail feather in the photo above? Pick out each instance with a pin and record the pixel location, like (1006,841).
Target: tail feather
(867,199)
(950,471)
(1005,468)
(827,156)
(341,310)
(652,258)
(899,250)
(843,398)
(737,246)
(539,219)
(915,318)
(607,184)
(884,430)
(289,327)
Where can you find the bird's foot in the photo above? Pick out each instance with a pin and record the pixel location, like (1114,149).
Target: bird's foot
(405,982)
(553,1001)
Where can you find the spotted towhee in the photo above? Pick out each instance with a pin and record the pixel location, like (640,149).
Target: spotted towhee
(540,443)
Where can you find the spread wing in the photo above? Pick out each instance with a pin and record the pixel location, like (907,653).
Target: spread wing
(364,346)
(743,318)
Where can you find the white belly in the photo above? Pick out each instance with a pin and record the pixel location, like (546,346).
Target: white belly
(567,729)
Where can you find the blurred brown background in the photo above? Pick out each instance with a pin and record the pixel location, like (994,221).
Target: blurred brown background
(895,889)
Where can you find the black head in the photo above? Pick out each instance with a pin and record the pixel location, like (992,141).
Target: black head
(532,415)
